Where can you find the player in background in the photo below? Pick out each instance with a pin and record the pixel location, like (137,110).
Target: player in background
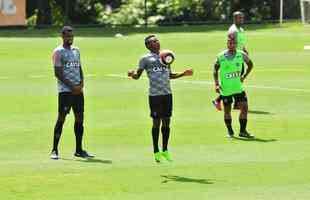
(229,84)
(239,33)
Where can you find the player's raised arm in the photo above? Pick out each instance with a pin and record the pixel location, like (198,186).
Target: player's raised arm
(187,72)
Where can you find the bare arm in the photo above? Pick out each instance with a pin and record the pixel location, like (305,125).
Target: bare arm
(249,63)
(135,74)
(59,73)
(82,76)
(187,72)
(175,75)
(76,89)
(216,77)
(245,50)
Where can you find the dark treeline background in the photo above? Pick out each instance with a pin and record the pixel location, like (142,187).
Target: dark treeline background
(134,12)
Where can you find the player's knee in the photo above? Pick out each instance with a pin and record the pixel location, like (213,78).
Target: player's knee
(58,128)
(61,117)
(79,118)
(244,107)
(57,135)
(156,123)
(227,112)
(227,115)
(166,122)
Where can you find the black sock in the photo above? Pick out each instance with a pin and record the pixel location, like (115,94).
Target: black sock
(57,134)
(78,130)
(243,123)
(166,133)
(155,137)
(228,124)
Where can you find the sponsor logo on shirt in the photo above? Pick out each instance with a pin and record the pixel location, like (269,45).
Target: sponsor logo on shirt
(72,64)
(233,75)
(159,69)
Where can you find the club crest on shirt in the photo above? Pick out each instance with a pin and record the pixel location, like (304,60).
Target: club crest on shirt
(75,54)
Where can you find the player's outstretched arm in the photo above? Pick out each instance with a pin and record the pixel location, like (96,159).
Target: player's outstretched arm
(187,72)
(135,74)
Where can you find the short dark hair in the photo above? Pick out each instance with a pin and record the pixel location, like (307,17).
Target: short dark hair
(146,40)
(66,28)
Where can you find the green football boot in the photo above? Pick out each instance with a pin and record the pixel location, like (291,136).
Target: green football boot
(167,155)
(157,156)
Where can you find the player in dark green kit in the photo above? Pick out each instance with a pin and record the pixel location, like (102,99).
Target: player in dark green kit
(229,83)
(237,30)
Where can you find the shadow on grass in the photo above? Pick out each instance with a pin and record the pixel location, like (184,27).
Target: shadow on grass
(89,160)
(169,178)
(258,112)
(255,139)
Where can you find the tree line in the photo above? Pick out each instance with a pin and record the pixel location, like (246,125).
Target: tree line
(160,12)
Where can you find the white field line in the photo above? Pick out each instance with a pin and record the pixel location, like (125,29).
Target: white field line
(90,75)
(4,77)
(199,82)
(307,47)
(281,70)
(36,76)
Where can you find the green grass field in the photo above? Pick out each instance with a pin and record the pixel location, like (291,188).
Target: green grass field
(206,164)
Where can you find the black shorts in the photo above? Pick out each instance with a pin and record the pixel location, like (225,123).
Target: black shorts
(66,101)
(161,106)
(239,97)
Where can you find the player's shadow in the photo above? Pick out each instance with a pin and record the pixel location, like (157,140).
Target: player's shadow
(94,160)
(90,160)
(255,139)
(169,178)
(259,112)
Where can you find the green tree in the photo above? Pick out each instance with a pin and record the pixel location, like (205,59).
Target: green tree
(132,12)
